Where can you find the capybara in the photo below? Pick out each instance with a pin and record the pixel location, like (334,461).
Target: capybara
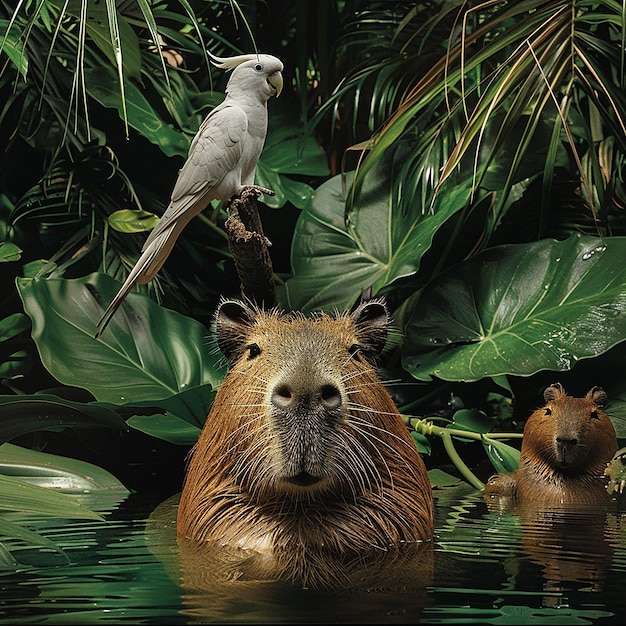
(566,446)
(304,461)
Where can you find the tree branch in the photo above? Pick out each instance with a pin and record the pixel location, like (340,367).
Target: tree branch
(250,249)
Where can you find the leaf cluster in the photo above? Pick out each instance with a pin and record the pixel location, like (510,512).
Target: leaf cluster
(481,190)
(476,153)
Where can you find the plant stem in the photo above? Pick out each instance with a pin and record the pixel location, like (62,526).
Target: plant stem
(428,428)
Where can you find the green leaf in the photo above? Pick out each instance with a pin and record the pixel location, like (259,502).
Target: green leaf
(25,414)
(53,471)
(103,86)
(30,270)
(9,252)
(333,263)
(503,457)
(167,427)
(12,46)
(132,221)
(439,478)
(17,495)
(296,192)
(146,353)
(13,325)
(191,405)
(16,364)
(520,309)
(472,420)
(422,442)
(265,177)
(182,416)
(124,48)
(288,151)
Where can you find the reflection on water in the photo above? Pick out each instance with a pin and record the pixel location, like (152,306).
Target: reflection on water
(491,567)
(218,585)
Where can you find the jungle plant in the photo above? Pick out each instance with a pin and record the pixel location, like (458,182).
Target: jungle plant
(487,198)
(99,104)
(482,194)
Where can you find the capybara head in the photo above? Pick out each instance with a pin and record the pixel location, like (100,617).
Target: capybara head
(304,454)
(570,435)
(565,448)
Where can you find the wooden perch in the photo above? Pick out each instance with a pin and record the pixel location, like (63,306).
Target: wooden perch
(250,250)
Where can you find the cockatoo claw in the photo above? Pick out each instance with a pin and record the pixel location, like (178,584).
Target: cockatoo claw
(255,190)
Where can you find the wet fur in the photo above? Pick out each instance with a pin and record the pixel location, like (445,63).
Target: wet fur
(373,495)
(565,448)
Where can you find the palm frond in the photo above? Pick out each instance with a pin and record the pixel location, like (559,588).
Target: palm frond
(527,70)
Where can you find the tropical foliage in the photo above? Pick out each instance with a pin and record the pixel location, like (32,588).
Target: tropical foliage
(466,160)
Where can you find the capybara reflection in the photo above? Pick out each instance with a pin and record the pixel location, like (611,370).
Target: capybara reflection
(565,449)
(304,461)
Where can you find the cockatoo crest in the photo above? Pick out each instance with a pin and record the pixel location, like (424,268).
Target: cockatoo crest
(272,65)
(230,63)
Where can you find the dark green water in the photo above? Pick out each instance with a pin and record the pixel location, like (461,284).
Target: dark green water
(490,568)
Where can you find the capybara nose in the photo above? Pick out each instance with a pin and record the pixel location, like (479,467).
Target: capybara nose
(566,442)
(286,397)
(330,396)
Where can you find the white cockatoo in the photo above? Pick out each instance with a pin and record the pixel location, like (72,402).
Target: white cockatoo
(221,162)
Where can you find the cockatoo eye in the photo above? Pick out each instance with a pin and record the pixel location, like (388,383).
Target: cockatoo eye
(258,67)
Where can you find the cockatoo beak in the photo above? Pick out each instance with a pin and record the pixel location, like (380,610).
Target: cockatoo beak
(275,81)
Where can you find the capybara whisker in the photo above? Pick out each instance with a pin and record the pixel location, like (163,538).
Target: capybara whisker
(304,463)
(383,431)
(566,447)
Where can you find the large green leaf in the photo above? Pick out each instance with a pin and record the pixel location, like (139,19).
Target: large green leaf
(103,86)
(167,427)
(146,353)
(519,309)
(17,495)
(333,263)
(285,189)
(288,152)
(34,483)
(48,471)
(24,414)
(180,418)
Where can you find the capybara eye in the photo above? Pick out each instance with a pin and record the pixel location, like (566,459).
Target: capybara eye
(253,350)
(354,350)
(594,415)
(548,411)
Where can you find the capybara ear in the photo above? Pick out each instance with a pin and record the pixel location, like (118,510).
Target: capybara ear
(233,320)
(598,396)
(554,391)
(371,320)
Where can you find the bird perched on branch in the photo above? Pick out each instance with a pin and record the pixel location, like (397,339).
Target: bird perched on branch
(221,162)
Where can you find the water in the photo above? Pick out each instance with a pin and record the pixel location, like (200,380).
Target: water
(490,568)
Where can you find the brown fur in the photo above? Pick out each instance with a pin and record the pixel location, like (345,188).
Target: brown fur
(565,449)
(304,460)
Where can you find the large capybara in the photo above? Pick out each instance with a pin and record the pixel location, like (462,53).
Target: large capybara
(566,446)
(304,462)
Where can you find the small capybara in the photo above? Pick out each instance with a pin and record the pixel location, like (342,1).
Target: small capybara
(566,446)
(304,460)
